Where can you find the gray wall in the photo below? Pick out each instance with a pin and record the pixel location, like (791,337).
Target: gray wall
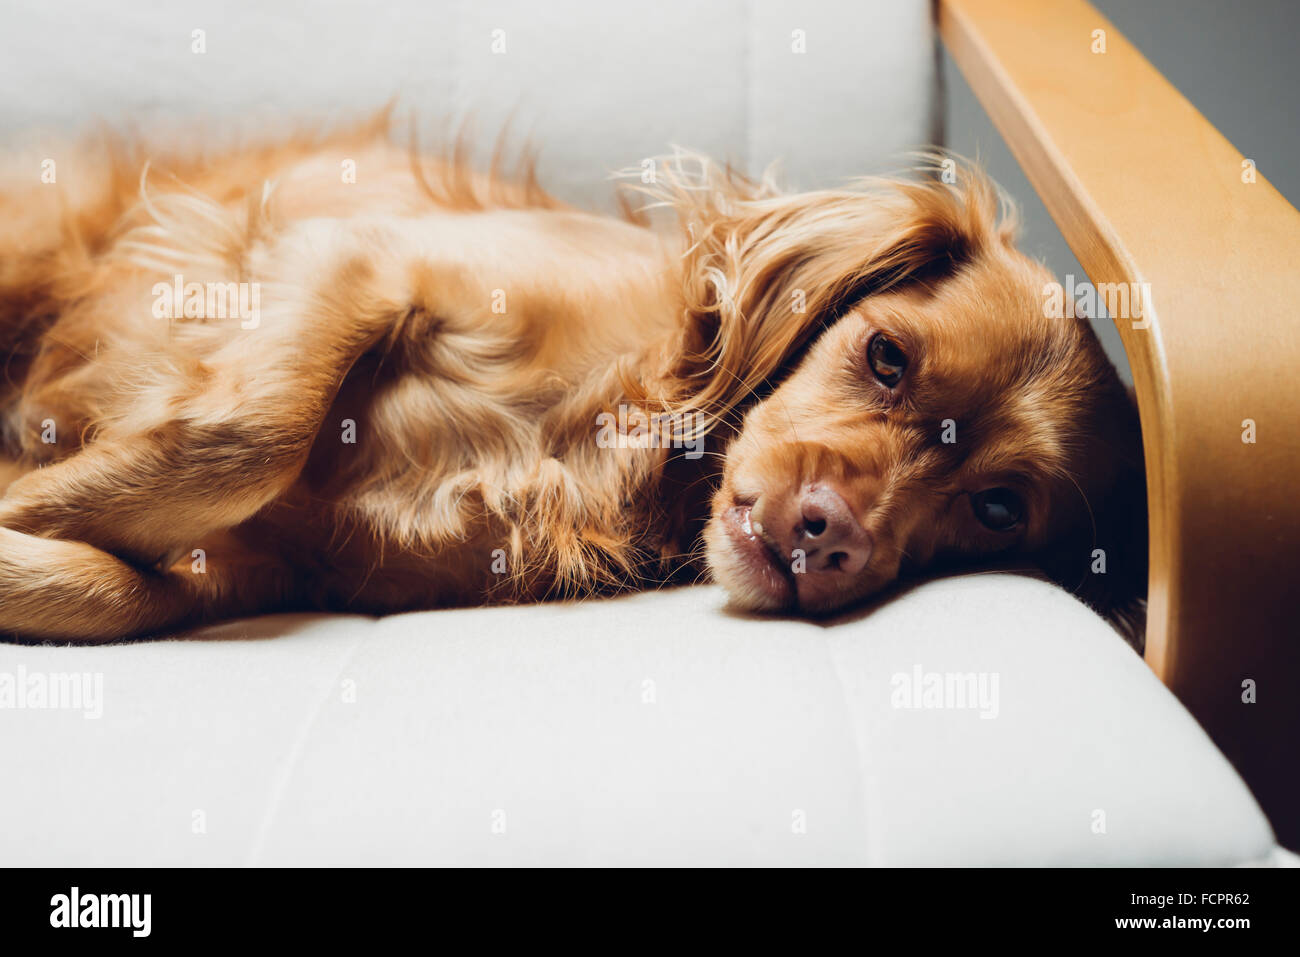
(1235,61)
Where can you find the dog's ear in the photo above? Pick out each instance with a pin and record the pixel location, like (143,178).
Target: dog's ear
(764,271)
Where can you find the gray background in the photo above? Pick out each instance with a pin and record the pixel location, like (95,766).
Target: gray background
(1235,61)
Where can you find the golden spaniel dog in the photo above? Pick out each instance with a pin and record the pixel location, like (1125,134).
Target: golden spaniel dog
(249,383)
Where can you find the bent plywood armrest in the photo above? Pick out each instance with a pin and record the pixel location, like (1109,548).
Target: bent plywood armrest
(1147,191)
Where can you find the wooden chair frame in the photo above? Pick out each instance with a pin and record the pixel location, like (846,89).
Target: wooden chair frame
(1146,190)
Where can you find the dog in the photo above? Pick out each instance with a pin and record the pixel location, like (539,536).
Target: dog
(241,383)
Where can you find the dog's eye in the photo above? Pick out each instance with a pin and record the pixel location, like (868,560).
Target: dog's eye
(998,508)
(887,360)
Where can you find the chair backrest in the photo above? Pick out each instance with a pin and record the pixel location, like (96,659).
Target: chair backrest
(831,88)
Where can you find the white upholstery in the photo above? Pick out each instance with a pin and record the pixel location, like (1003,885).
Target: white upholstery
(653,729)
(597,86)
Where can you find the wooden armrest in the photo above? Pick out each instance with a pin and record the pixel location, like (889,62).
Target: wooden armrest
(1146,190)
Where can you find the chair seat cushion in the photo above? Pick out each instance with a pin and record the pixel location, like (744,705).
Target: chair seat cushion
(986,719)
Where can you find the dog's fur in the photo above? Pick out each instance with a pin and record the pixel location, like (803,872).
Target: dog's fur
(470,329)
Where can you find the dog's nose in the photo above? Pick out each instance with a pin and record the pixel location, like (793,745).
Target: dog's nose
(818,526)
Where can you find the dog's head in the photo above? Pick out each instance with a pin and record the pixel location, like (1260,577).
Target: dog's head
(923,407)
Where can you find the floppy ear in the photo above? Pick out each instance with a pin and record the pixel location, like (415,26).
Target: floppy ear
(764,271)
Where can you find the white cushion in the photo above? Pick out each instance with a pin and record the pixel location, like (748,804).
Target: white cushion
(597,86)
(656,728)
(652,729)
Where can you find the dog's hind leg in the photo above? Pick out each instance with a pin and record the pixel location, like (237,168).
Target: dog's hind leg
(206,447)
(57,590)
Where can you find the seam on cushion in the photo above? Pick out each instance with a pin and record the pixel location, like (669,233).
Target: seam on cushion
(281,784)
(457,83)
(749,93)
(937,89)
(870,802)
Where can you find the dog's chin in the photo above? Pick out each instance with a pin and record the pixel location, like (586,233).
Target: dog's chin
(753,577)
